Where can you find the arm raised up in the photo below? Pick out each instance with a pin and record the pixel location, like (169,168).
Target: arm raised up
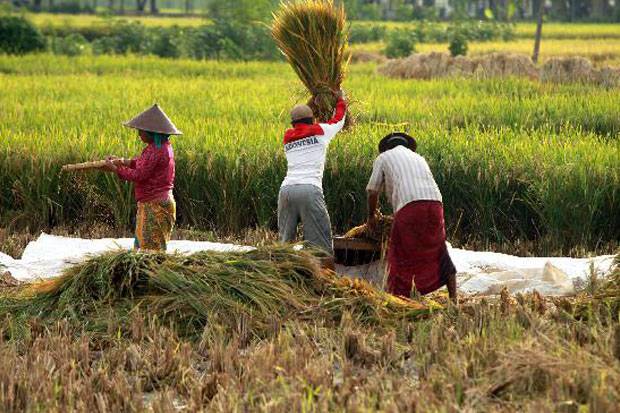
(336,123)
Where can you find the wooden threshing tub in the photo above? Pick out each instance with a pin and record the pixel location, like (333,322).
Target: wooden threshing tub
(356,251)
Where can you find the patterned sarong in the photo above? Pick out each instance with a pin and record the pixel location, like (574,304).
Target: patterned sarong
(417,249)
(154,223)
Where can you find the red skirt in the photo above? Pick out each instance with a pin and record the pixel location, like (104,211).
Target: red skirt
(417,249)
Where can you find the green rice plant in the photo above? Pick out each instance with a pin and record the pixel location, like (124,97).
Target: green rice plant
(522,166)
(312,34)
(49,21)
(552,30)
(585,31)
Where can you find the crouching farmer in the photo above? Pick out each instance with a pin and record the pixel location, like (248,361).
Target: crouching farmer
(153,176)
(417,249)
(301,194)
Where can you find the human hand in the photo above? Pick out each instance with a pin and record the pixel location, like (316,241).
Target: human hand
(116,161)
(110,165)
(340,94)
(371,223)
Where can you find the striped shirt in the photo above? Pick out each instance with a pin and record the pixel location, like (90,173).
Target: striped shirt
(406,177)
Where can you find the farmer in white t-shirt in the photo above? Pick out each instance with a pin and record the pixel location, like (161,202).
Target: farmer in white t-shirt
(301,194)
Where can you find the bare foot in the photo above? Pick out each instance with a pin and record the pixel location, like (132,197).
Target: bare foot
(452,288)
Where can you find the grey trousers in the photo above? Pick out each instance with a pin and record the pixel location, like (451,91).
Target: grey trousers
(304,203)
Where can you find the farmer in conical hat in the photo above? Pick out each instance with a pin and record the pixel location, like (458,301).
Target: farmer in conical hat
(153,176)
(301,194)
(417,249)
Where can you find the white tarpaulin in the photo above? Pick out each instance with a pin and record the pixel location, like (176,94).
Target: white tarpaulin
(49,255)
(489,272)
(478,272)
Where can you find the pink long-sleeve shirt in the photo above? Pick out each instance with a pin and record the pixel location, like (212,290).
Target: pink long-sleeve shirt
(152,173)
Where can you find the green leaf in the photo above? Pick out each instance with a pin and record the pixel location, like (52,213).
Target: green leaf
(488,13)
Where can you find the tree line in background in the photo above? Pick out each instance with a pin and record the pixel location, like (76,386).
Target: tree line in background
(224,38)
(393,10)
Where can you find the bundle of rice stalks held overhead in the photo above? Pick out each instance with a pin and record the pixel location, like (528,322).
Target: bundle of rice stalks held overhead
(313,37)
(260,288)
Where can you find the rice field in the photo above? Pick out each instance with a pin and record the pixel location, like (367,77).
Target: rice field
(599,51)
(551,30)
(87,20)
(85,344)
(602,52)
(522,29)
(523,166)
(598,42)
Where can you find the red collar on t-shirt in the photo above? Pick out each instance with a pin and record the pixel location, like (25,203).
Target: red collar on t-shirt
(302,130)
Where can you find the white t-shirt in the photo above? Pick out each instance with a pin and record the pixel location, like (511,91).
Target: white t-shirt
(306,156)
(406,177)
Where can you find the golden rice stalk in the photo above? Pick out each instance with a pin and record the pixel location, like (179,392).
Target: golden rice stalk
(382,232)
(44,286)
(313,36)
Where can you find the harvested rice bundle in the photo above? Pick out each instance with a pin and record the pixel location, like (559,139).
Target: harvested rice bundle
(313,37)
(437,65)
(357,297)
(260,286)
(381,233)
(568,69)
(361,56)
(579,69)
(428,66)
(505,65)
(605,299)
(609,77)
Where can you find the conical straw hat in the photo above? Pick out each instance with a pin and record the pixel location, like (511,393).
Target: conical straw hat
(154,120)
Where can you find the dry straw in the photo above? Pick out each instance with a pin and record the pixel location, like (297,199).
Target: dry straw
(437,65)
(605,299)
(268,285)
(571,69)
(578,69)
(498,65)
(381,232)
(314,38)
(361,56)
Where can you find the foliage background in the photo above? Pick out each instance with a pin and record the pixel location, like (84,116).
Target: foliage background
(517,161)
